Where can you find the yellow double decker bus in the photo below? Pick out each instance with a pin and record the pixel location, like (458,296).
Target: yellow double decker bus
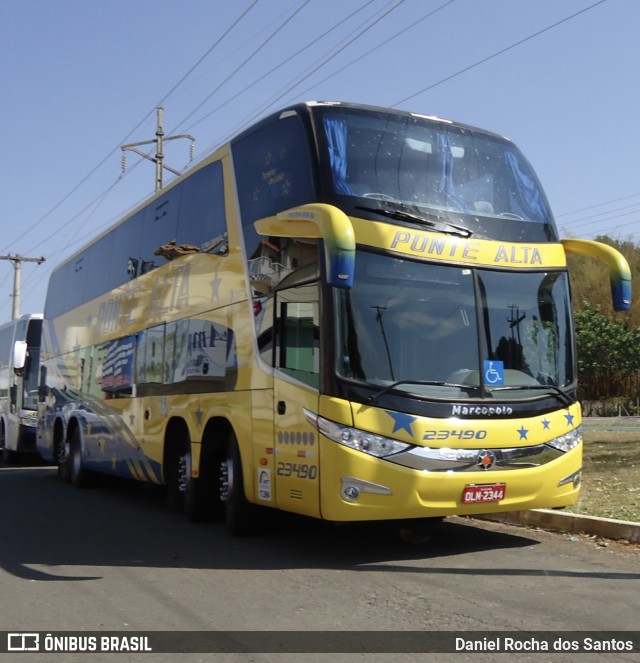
(347,312)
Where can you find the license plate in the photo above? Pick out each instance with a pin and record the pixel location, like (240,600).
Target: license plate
(486,492)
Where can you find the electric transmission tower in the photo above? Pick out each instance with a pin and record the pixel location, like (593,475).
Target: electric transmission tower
(158,158)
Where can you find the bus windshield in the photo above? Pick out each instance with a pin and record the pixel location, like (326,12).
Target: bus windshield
(422,168)
(452,332)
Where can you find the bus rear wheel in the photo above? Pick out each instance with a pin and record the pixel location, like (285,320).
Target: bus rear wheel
(63,460)
(178,470)
(186,493)
(240,515)
(78,474)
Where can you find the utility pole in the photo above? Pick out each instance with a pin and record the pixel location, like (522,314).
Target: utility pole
(16,261)
(159,141)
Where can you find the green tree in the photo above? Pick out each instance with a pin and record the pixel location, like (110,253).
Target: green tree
(608,354)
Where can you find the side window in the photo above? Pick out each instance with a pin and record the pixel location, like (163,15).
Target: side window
(297,333)
(274,171)
(115,362)
(159,229)
(188,218)
(57,292)
(93,274)
(126,263)
(150,356)
(202,221)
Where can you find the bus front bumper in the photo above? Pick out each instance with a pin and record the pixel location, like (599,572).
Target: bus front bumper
(369,488)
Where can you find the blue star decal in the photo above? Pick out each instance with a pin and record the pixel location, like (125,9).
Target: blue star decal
(545,424)
(523,433)
(401,421)
(569,418)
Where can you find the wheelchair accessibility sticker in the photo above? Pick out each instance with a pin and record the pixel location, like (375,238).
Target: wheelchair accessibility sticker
(493,372)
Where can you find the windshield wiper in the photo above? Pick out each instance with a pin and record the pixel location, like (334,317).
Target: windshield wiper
(439,225)
(429,383)
(556,391)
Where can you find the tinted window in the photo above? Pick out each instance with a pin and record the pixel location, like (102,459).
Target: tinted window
(202,215)
(57,292)
(159,229)
(191,213)
(125,264)
(273,172)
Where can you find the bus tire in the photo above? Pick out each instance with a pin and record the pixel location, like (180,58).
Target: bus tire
(202,495)
(63,460)
(240,516)
(185,493)
(78,474)
(178,474)
(200,499)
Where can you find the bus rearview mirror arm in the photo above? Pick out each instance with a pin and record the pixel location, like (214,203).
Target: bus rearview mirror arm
(619,272)
(318,221)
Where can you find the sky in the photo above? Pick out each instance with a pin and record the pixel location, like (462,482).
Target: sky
(81,78)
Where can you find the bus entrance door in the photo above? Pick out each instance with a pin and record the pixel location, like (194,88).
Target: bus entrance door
(295,388)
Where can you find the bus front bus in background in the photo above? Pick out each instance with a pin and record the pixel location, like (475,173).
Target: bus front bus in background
(347,312)
(19,363)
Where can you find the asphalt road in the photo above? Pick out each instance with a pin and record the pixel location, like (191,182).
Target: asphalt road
(111,558)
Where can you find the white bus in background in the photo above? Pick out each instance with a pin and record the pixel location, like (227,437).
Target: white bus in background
(19,364)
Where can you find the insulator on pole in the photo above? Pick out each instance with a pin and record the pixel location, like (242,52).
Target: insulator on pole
(123,162)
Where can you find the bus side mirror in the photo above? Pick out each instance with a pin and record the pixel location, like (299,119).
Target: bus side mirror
(319,221)
(19,356)
(619,272)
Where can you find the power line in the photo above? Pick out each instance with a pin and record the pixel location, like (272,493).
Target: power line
(328,59)
(207,53)
(246,60)
(497,53)
(590,207)
(375,48)
(264,108)
(282,63)
(596,218)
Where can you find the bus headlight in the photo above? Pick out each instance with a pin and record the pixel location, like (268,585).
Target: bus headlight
(567,441)
(369,443)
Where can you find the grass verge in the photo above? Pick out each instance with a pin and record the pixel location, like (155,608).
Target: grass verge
(611,474)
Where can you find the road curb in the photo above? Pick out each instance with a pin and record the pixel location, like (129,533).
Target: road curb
(561,521)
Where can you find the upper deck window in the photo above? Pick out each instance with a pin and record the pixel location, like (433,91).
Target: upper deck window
(376,160)
(274,168)
(190,214)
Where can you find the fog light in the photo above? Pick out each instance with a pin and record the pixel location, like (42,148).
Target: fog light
(350,493)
